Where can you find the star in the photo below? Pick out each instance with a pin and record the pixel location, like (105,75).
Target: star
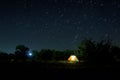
(49,23)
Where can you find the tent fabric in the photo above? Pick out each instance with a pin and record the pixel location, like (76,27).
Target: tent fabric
(73,58)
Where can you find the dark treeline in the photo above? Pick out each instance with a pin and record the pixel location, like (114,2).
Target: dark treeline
(88,51)
(22,54)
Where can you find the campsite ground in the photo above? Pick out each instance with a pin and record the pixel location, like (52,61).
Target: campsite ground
(59,70)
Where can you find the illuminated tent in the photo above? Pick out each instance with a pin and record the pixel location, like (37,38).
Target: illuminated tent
(73,58)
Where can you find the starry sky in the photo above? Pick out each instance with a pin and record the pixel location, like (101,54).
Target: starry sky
(57,24)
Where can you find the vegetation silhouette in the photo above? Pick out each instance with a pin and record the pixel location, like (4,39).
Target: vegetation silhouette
(89,53)
(21,53)
(96,53)
(4,57)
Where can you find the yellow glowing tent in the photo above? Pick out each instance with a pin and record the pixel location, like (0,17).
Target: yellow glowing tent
(73,58)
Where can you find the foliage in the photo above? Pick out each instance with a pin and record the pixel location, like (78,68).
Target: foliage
(96,52)
(46,54)
(91,52)
(115,50)
(21,53)
(3,57)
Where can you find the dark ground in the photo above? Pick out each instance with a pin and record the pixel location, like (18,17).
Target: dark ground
(45,71)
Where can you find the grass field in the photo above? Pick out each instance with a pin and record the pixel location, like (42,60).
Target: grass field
(59,70)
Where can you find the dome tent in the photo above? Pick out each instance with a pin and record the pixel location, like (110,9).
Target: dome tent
(73,58)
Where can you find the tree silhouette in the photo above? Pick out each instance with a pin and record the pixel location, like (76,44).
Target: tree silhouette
(115,50)
(87,49)
(46,54)
(3,57)
(11,57)
(104,55)
(21,52)
(58,55)
(67,53)
(36,55)
(96,53)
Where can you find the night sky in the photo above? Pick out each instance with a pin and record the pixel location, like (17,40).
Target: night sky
(57,24)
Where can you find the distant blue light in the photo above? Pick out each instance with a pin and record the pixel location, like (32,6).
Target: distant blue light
(29,54)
